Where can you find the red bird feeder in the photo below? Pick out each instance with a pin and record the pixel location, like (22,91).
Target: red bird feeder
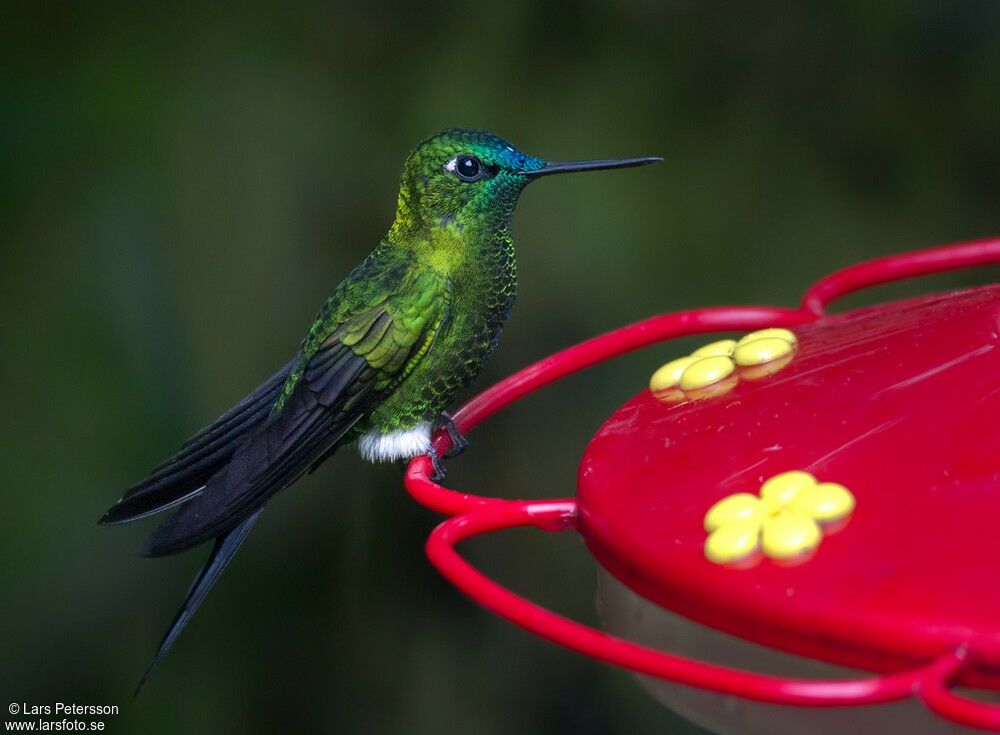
(792,525)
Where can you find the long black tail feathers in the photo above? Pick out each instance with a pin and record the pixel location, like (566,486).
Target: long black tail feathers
(225,548)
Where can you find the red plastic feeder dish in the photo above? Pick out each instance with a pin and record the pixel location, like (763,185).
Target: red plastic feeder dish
(797,530)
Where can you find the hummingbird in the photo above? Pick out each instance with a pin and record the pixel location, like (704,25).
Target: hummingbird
(390,349)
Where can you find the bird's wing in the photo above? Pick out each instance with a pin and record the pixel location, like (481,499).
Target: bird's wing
(360,356)
(184,475)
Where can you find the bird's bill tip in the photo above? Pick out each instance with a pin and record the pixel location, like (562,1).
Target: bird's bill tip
(566,167)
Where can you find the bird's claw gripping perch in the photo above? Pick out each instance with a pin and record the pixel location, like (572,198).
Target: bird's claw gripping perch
(458,445)
(458,442)
(439,472)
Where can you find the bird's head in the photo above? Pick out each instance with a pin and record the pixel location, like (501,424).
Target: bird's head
(463,178)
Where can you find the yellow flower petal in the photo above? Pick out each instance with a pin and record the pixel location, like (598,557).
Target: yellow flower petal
(670,374)
(723,347)
(824,502)
(788,535)
(733,541)
(738,507)
(770,507)
(760,351)
(705,371)
(774,332)
(782,488)
(713,390)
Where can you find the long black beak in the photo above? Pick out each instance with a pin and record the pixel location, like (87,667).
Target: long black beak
(566,167)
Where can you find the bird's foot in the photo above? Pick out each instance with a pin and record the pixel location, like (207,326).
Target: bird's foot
(439,472)
(458,442)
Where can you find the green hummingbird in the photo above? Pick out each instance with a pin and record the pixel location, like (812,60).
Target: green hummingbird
(388,352)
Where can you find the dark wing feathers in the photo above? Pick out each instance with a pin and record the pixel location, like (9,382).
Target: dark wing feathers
(290,424)
(365,355)
(273,458)
(183,475)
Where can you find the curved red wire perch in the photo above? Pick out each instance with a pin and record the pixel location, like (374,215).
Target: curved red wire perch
(574,359)
(474,515)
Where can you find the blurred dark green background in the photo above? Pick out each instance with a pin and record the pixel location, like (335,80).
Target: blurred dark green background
(181,187)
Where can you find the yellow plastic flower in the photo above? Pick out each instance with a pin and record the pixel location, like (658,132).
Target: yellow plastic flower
(708,371)
(783,521)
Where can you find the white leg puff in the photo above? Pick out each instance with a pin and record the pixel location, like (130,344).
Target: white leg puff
(376,446)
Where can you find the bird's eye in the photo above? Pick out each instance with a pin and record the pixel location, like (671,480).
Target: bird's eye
(467,168)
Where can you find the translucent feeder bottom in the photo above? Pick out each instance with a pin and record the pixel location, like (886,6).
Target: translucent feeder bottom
(628,615)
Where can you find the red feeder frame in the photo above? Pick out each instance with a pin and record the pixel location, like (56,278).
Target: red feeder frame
(931,679)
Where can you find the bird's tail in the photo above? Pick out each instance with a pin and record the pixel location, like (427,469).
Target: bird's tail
(226,545)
